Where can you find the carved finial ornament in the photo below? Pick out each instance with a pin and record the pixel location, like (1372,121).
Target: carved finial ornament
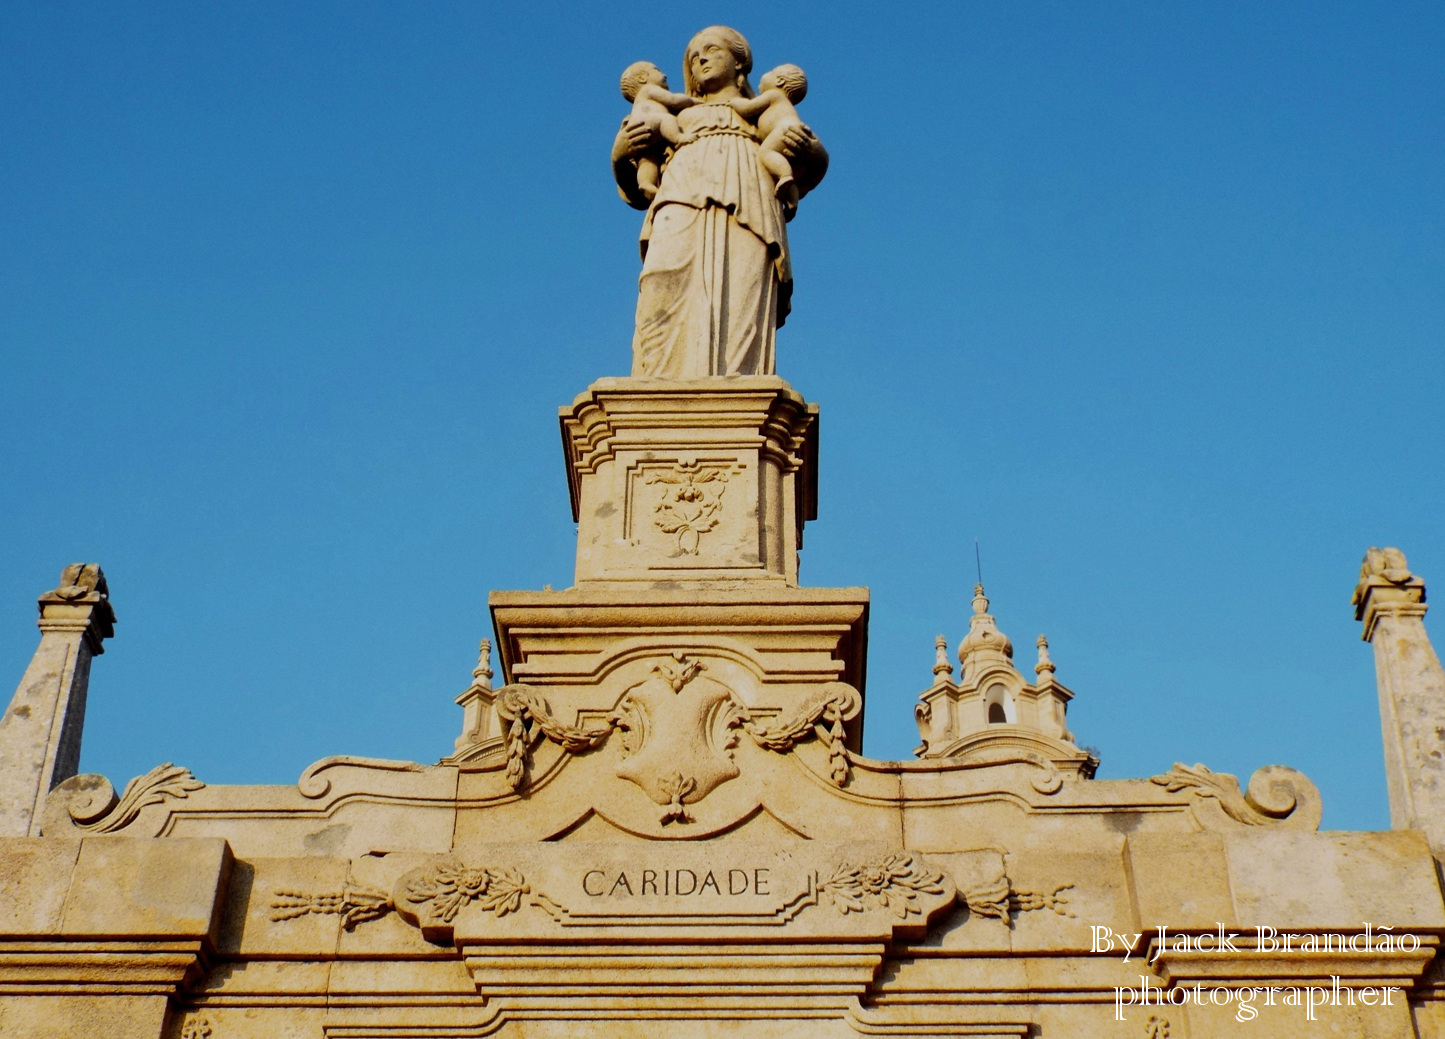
(80,582)
(1386,563)
(1386,586)
(1045,667)
(81,585)
(942,669)
(984,641)
(483,671)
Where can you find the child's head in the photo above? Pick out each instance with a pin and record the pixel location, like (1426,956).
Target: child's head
(787,78)
(639,73)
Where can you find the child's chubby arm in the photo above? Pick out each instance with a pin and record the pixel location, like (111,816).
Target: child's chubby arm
(752,107)
(668,100)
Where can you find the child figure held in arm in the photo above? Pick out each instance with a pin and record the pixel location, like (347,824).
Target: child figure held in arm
(653,106)
(773,113)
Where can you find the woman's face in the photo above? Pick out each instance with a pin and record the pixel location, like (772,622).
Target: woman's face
(711,64)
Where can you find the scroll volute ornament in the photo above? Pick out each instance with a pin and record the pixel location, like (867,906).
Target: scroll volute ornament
(88,802)
(1277,796)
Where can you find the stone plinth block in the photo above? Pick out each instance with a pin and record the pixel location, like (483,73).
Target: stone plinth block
(694,480)
(107,916)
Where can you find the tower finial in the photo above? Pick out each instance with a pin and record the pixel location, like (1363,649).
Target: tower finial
(483,671)
(1045,667)
(980,600)
(942,669)
(984,641)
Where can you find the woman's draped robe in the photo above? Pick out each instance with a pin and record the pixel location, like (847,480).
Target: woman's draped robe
(715,282)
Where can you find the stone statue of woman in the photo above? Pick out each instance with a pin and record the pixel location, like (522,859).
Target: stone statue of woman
(716,279)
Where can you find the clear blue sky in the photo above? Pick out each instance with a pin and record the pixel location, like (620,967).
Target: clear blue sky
(1147,297)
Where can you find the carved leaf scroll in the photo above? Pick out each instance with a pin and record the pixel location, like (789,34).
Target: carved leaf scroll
(89,801)
(823,715)
(1276,795)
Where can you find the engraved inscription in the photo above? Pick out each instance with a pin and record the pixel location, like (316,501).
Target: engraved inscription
(731,882)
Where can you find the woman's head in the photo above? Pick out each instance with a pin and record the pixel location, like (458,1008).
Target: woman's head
(716,58)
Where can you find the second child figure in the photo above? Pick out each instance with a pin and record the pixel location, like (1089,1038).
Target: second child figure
(773,113)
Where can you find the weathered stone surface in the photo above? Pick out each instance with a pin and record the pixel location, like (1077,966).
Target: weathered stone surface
(1390,601)
(97,936)
(124,886)
(34,878)
(49,1017)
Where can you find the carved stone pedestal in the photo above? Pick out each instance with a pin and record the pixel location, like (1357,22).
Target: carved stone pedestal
(700,480)
(679,675)
(686,632)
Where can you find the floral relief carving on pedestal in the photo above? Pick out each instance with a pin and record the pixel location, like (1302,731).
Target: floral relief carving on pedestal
(441,888)
(690,503)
